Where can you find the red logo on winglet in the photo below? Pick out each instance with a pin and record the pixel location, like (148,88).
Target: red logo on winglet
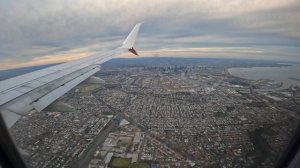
(132,50)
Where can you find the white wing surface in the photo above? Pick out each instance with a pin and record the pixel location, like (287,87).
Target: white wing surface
(37,90)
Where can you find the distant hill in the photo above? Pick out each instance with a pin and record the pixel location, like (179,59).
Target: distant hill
(121,62)
(178,61)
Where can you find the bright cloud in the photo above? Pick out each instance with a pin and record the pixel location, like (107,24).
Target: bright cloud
(35,29)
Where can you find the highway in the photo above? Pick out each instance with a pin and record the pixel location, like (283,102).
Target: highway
(98,141)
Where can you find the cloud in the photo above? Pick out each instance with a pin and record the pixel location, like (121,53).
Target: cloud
(221,52)
(196,52)
(46,59)
(33,28)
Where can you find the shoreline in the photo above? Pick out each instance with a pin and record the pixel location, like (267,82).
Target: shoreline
(284,76)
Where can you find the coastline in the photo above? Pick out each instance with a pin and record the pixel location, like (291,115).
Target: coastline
(287,74)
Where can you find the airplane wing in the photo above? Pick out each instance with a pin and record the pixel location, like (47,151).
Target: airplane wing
(36,90)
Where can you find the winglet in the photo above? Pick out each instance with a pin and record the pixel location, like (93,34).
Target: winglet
(130,40)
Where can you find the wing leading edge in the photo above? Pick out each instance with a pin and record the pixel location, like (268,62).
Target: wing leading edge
(36,90)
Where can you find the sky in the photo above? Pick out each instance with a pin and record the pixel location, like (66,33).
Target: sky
(35,32)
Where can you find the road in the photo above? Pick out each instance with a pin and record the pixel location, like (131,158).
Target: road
(99,140)
(121,115)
